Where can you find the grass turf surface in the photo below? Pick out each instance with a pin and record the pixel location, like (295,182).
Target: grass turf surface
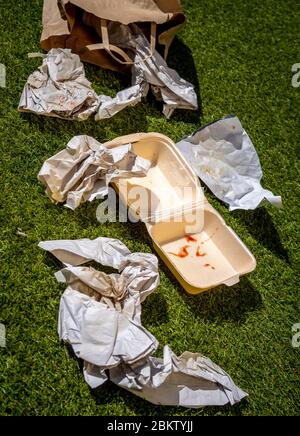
(239,54)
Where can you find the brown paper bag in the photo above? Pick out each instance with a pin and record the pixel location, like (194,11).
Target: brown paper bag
(81,25)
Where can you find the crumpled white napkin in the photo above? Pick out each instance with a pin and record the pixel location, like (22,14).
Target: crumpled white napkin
(223,156)
(59,88)
(149,69)
(83,171)
(100,317)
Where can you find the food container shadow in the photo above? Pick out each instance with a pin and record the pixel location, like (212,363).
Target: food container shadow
(222,303)
(260,225)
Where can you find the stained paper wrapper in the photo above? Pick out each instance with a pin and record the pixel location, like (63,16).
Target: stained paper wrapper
(224,157)
(100,317)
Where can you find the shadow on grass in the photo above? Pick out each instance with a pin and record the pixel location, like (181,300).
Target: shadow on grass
(226,304)
(181,59)
(109,392)
(222,303)
(260,224)
(155,310)
(130,120)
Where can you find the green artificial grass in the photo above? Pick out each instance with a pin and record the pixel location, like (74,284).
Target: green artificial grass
(239,54)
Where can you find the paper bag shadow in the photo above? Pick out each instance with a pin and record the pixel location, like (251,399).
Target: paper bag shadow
(181,59)
(260,224)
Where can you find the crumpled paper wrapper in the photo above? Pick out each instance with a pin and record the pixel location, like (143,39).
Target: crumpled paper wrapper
(100,317)
(224,157)
(83,171)
(148,70)
(59,88)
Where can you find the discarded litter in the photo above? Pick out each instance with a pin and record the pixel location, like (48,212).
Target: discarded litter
(59,87)
(20,232)
(157,170)
(224,157)
(83,171)
(181,206)
(148,69)
(100,314)
(100,317)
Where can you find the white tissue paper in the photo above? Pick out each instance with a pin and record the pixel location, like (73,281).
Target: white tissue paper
(223,156)
(100,317)
(59,88)
(83,171)
(148,69)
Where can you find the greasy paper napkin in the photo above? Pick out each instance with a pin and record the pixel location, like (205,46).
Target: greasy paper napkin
(59,88)
(100,317)
(224,157)
(83,171)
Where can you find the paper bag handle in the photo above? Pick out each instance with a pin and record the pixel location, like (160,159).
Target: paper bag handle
(110,48)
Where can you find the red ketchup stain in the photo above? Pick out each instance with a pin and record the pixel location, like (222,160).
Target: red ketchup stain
(183,252)
(198,252)
(206,265)
(190,238)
